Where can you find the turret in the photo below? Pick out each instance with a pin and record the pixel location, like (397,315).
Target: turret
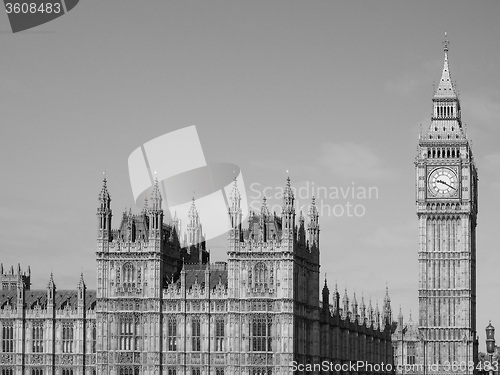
(400,318)
(490,339)
(263,221)
(313,226)
(20,294)
(354,307)
(194,228)
(386,310)
(104,215)
(10,279)
(51,295)
(369,312)
(155,215)
(326,297)
(81,294)
(235,213)
(301,235)
(362,309)
(207,280)
(336,299)
(288,213)
(345,303)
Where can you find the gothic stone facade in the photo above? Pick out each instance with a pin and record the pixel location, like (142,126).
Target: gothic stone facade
(161,308)
(446,198)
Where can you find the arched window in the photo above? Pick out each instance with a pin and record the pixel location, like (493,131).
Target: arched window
(7,338)
(261,275)
(67,338)
(129,332)
(261,371)
(128,370)
(195,335)
(219,335)
(37,335)
(94,338)
(128,275)
(260,334)
(172,334)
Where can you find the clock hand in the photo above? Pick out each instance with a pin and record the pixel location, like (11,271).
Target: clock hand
(444,183)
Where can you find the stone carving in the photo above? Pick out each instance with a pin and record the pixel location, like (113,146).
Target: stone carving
(6,359)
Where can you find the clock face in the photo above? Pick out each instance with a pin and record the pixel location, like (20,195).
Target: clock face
(443,182)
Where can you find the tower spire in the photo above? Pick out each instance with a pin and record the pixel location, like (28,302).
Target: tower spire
(446,88)
(104,216)
(446,123)
(155,215)
(288,212)
(156,198)
(313,225)
(235,217)
(194,227)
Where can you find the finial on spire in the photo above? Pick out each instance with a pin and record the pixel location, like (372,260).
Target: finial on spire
(446,42)
(288,193)
(192,210)
(104,194)
(51,281)
(445,88)
(81,282)
(156,198)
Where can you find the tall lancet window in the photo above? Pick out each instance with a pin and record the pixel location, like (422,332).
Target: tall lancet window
(172,334)
(94,338)
(67,337)
(260,333)
(195,335)
(129,332)
(37,335)
(128,275)
(219,335)
(261,276)
(8,337)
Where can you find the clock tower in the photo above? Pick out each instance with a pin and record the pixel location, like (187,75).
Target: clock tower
(446,198)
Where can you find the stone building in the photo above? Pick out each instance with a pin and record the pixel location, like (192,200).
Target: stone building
(161,308)
(446,199)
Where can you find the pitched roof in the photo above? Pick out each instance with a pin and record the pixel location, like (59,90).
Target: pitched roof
(39,297)
(195,273)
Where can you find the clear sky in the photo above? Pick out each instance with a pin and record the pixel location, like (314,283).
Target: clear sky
(334,91)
